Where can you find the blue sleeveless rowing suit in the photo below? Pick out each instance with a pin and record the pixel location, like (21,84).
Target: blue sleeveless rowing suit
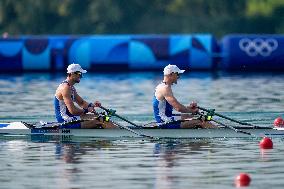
(62,113)
(163,113)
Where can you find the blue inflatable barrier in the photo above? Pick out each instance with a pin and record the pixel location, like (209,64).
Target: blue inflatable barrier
(107,52)
(253,52)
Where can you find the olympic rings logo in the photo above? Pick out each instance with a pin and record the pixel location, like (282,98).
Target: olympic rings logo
(262,47)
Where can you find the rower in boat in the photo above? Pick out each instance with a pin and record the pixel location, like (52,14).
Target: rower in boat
(66,97)
(164,102)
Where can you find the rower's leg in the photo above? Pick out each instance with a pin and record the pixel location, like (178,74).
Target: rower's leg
(208,124)
(95,123)
(109,125)
(196,123)
(190,124)
(186,116)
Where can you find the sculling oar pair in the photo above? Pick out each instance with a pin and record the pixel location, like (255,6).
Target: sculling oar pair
(113,112)
(225,125)
(212,112)
(233,128)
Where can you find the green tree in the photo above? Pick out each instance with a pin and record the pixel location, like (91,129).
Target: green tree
(218,17)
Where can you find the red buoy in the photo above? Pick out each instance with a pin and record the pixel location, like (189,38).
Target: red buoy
(243,179)
(279,122)
(266,143)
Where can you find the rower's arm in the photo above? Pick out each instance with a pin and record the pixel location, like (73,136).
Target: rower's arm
(66,94)
(168,95)
(80,101)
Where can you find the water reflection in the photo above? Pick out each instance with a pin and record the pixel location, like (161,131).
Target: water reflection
(71,152)
(131,163)
(170,148)
(156,161)
(169,156)
(166,157)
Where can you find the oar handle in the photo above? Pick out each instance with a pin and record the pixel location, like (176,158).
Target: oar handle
(122,118)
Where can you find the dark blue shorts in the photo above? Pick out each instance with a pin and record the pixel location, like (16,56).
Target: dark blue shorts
(71,126)
(170,125)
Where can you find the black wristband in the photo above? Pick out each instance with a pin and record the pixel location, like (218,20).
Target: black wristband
(85,110)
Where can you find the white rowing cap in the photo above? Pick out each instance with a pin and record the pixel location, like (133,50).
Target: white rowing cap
(172,69)
(75,68)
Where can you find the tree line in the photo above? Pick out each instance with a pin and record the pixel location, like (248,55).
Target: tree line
(219,17)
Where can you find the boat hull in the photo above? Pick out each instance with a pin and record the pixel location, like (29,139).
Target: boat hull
(156,133)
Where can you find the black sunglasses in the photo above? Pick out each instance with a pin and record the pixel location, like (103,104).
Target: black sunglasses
(178,74)
(79,73)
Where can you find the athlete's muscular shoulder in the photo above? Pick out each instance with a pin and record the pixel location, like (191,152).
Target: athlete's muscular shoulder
(62,90)
(167,90)
(163,91)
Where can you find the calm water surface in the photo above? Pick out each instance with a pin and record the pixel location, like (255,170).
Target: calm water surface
(135,163)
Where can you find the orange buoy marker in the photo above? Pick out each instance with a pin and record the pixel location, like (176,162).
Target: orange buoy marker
(266,143)
(243,179)
(279,122)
